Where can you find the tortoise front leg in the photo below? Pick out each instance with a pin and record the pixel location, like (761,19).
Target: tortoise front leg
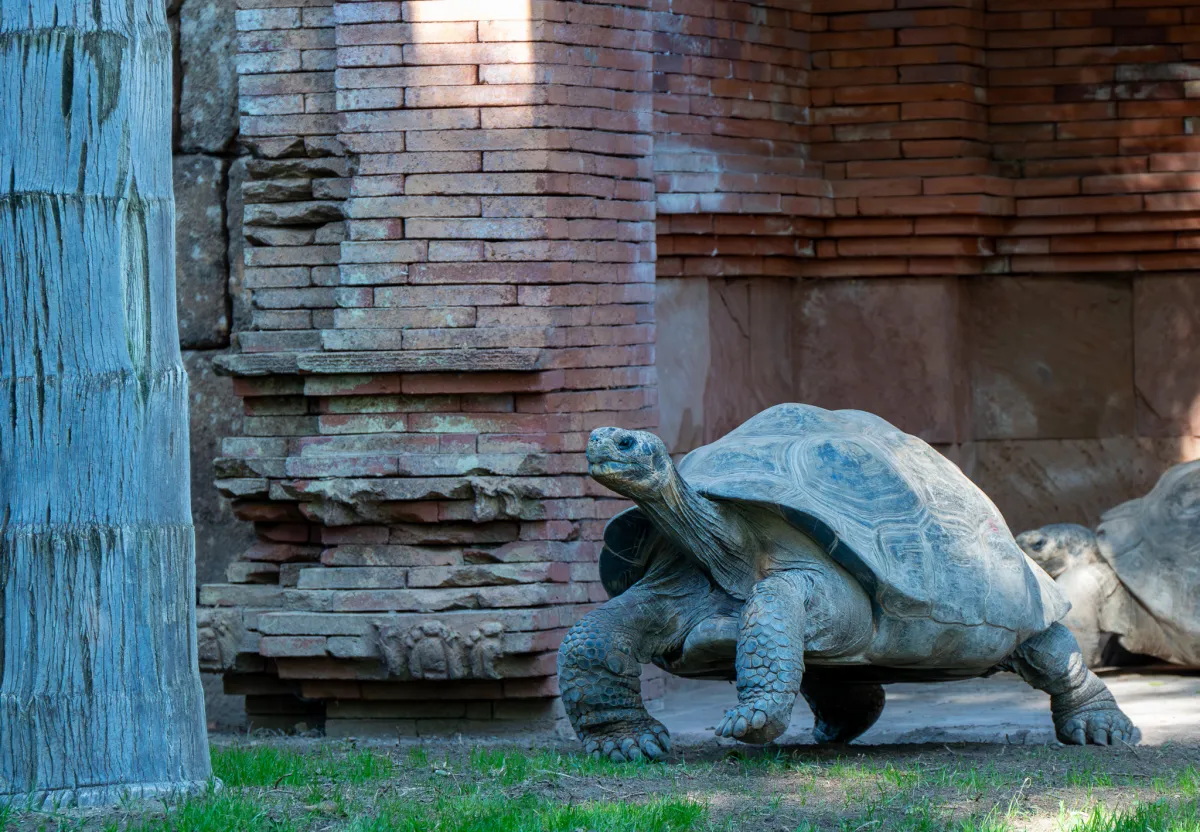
(770,659)
(599,662)
(1084,710)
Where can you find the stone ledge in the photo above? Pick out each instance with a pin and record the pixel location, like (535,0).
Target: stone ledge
(404,361)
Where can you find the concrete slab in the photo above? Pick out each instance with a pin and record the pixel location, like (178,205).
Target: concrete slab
(1165,708)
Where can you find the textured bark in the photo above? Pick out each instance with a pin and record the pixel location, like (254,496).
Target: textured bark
(99,686)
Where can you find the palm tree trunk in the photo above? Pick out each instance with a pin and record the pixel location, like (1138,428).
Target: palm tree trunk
(99,686)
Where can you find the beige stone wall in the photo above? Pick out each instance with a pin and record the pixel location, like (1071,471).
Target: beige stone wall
(1060,395)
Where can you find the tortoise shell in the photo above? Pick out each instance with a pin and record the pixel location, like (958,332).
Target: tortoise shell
(1153,544)
(904,521)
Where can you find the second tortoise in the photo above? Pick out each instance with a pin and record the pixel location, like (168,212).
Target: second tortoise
(1135,580)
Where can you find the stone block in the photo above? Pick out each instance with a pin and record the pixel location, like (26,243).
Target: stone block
(370,728)
(753,366)
(1034,482)
(214,413)
(682,356)
(352,648)
(251,572)
(275,646)
(1050,358)
(235,207)
(381,555)
(208,118)
(353,577)
(395,709)
(888,346)
(1166,354)
(201,271)
(222,711)
(486,575)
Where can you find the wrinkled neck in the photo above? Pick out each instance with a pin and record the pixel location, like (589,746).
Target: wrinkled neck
(693,522)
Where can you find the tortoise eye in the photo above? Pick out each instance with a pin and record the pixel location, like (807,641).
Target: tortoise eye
(626,443)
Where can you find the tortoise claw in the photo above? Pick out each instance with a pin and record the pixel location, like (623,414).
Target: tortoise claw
(1102,726)
(645,739)
(752,722)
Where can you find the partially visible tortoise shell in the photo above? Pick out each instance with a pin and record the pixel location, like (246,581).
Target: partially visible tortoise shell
(1153,544)
(918,535)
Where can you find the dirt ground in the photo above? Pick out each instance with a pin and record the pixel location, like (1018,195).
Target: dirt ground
(283,785)
(974,756)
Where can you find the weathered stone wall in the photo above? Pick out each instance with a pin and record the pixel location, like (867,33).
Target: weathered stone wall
(449,278)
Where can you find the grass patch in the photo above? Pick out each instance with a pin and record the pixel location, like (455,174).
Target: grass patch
(448,813)
(221,812)
(270,767)
(1160,816)
(528,814)
(282,786)
(508,767)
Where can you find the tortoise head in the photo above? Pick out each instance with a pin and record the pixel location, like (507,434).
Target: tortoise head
(1059,546)
(633,463)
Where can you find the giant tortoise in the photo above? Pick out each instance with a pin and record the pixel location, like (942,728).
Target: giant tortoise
(1135,581)
(814,552)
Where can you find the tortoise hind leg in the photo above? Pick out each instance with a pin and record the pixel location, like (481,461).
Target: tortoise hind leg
(1083,709)
(842,712)
(770,660)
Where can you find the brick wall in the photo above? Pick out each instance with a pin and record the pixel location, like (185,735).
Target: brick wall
(455,213)
(1002,263)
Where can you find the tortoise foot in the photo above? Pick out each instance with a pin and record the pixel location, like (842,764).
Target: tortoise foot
(623,742)
(756,722)
(1105,725)
(842,712)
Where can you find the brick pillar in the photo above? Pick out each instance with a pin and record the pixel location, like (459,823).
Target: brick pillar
(424,374)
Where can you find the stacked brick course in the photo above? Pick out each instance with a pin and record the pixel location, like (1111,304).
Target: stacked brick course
(455,215)
(1002,265)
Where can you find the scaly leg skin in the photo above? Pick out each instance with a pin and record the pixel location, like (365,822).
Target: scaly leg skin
(601,690)
(770,660)
(1083,709)
(842,712)
(599,662)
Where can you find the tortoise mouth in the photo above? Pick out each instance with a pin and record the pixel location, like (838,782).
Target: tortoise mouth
(608,467)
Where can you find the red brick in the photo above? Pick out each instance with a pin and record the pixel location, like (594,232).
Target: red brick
(1173,202)
(1055,113)
(1046,187)
(1079,205)
(1145,223)
(869,227)
(913,246)
(1111,242)
(888,92)
(1141,183)
(958,204)
(1075,263)
(959,225)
